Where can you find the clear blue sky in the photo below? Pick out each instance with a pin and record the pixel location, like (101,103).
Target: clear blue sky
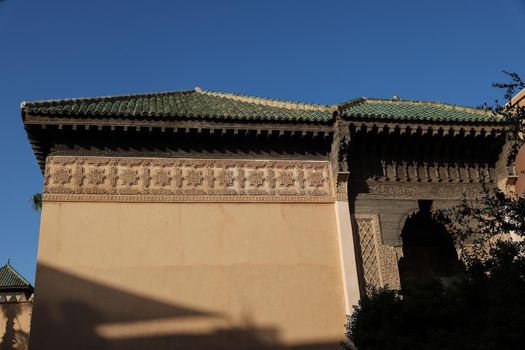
(313,51)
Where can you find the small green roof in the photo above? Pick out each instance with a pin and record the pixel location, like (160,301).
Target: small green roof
(10,279)
(192,104)
(397,109)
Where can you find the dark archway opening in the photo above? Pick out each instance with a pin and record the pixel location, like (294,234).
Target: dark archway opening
(428,250)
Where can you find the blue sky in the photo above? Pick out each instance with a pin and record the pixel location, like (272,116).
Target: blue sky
(312,51)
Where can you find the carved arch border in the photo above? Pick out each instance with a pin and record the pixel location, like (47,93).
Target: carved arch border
(402,221)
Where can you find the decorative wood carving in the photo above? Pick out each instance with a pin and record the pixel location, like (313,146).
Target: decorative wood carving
(378,261)
(185,180)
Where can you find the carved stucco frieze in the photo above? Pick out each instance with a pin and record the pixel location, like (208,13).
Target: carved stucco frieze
(186,180)
(389,257)
(409,190)
(379,262)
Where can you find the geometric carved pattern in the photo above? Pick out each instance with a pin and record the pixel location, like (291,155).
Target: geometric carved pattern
(379,262)
(369,252)
(185,180)
(389,265)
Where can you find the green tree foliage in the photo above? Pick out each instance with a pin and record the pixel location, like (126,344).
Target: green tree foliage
(484,310)
(36,202)
(513,114)
(485,307)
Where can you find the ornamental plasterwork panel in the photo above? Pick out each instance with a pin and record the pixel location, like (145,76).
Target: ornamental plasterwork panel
(378,261)
(186,180)
(389,257)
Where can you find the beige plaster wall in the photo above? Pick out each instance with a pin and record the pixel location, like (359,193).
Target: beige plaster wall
(176,275)
(15,322)
(347,256)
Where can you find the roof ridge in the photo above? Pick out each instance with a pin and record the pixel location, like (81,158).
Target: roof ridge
(432,103)
(23,104)
(287,104)
(350,102)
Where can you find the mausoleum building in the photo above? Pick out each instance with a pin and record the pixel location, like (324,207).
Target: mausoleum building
(200,219)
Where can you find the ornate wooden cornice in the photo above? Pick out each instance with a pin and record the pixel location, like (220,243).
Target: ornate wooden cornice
(208,113)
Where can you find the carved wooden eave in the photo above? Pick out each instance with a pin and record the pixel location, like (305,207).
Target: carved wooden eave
(414,127)
(178,125)
(37,126)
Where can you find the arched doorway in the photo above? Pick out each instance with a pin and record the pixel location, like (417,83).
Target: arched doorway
(428,250)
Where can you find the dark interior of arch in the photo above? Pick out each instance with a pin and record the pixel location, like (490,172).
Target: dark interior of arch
(428,250)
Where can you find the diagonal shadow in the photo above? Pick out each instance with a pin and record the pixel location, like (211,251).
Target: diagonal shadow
(69,311)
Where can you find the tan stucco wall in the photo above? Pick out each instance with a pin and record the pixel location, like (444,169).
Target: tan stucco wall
(347,256)
(201,275)
(15,321)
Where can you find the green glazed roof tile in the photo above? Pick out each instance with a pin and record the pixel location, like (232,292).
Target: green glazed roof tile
(183,104)
(413,111)
(204,104)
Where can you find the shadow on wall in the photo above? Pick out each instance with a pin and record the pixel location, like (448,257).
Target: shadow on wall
(13,339)
(74,313)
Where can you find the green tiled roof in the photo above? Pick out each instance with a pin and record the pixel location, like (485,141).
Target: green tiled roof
(413,110)
(183,104)
(10,279)
(211,105)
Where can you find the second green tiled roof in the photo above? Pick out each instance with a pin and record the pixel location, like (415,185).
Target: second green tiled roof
(413,110)
(11,279)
